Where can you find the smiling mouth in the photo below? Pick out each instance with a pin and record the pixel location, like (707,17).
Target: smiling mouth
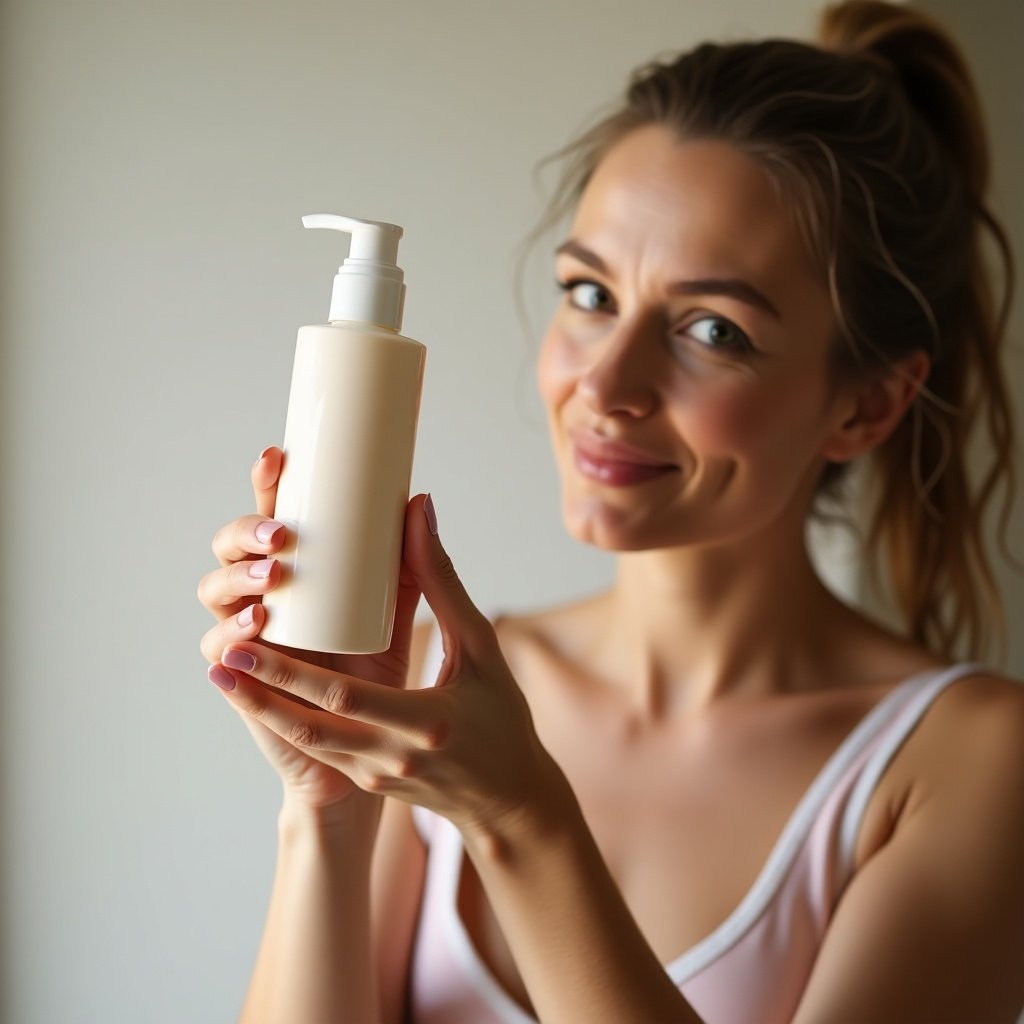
(616,473)
(599,448)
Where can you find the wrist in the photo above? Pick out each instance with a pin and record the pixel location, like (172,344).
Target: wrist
(547,812)
(352,820)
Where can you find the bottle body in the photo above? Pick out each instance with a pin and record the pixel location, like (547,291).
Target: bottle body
(349,442)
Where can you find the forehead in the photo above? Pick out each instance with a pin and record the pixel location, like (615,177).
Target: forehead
(699,203)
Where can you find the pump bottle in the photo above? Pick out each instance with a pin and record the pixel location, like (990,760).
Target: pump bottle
(349,440)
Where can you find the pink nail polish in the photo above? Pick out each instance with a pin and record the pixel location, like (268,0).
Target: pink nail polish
(239,659)
(428,510)
(245,616)
(261,570)
(221,677)
(265,531)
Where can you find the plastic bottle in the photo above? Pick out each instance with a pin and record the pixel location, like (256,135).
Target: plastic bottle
(348,450)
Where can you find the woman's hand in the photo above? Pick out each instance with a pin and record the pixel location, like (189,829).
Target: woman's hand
(232,593)
(465,748)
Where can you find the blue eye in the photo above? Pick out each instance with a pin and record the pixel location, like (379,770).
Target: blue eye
(586,295)
(717,332)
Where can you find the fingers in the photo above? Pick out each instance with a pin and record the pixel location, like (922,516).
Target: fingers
(265,473)
(222,590)
(298,740)
(342,697)
(458,617)
(245,625)
(303,727)
(250,535)
(406,602)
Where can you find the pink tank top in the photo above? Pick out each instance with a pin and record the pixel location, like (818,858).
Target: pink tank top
(754,966)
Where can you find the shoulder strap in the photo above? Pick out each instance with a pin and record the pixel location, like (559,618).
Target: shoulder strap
(921,693)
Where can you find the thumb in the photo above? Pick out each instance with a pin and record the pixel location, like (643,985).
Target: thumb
(423,552)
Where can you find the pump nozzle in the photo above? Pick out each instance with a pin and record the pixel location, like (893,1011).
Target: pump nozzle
(369,286)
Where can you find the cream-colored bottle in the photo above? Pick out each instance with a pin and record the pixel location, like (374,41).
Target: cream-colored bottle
(348,451)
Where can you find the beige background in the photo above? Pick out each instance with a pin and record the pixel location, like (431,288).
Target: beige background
(155,161)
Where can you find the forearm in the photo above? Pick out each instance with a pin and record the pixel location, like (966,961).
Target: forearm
(578,948)
(315,963)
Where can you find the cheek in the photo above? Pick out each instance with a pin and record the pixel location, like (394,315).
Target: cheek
(744,418)
(724,419)
(557,369)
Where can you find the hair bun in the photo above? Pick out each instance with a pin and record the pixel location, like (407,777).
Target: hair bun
(930,66)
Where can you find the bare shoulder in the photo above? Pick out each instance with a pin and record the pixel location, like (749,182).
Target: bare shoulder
(965,760)
(561,627)
(559,631)
(930,928)
(546,640)
(979,722)
(969,747)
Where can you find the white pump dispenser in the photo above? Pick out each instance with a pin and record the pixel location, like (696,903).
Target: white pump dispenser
(369,285)
(348,449)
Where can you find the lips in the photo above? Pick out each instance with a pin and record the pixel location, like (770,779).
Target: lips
(603,449)
(616,463)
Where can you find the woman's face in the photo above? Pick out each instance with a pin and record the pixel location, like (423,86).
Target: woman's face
(693,327)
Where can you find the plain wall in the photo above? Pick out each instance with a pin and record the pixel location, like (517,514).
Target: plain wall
(155,161)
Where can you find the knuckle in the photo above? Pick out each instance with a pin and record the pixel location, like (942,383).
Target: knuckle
(208,646)
(437,734)
(305,733)
(375,782)
(409,765)
(445,569)
(202,590)
(342,699)
(254,707)
(221,543)
(230,538)
(282,677)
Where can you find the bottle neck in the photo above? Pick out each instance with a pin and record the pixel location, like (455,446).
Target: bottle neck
(368,298)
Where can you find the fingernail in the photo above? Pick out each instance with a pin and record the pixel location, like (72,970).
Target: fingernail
(428,509)
(239,659)
(262,455)
(221,677)
(266,530)
(261,570)
(245,616)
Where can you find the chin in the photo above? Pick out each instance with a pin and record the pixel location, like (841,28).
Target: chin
(592,520)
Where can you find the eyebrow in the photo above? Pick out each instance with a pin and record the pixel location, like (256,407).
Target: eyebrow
(730,287)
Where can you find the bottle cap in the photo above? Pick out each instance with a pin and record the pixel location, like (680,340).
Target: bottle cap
(369,286)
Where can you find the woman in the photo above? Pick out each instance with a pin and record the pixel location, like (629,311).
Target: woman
(714,792)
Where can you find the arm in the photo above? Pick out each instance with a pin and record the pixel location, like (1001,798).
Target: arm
(932,928)
(580,951)
(319,958)
(466,749)
(399,866)
(315,962)
(398,872)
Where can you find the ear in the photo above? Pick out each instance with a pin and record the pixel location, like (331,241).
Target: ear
(870,411)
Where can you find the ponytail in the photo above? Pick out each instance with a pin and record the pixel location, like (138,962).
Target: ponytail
(929,521)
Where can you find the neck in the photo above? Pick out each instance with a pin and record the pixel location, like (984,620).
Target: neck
(693,625)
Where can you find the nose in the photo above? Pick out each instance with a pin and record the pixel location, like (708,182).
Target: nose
(622,377)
